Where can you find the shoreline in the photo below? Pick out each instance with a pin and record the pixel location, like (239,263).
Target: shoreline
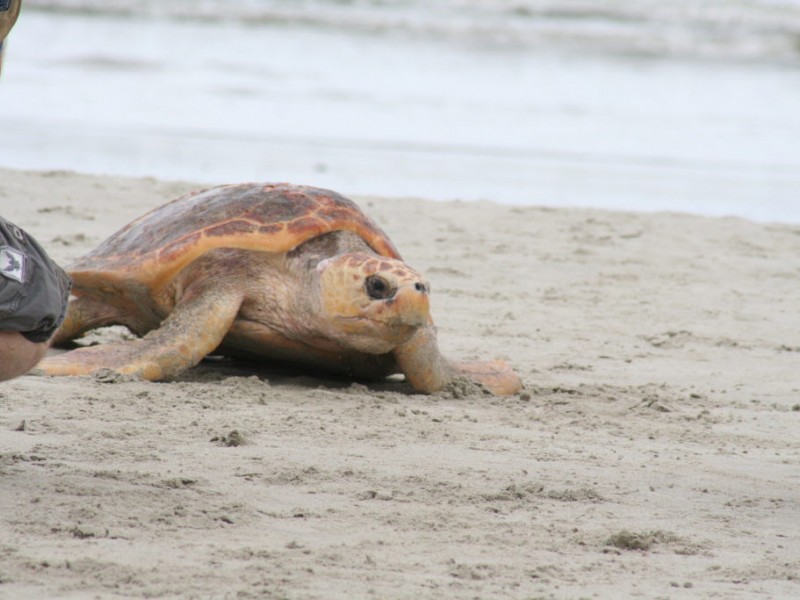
(643,133)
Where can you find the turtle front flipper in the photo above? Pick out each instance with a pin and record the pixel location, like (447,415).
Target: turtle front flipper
(428,371)
(194,328)
(495,375)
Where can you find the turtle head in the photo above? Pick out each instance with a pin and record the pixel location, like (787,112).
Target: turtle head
(372,303)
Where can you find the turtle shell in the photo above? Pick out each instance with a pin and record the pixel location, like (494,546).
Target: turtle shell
(272,218)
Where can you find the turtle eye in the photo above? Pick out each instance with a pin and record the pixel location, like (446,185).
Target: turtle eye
(378,288)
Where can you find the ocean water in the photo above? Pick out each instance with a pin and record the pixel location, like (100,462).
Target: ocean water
(644,105)
(691,28)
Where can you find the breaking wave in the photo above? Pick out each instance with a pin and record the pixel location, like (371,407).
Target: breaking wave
(753,30)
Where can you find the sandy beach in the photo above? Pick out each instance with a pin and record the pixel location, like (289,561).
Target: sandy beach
(652,454)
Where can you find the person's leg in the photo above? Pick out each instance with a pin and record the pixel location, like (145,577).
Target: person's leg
(18,355)
(9,11)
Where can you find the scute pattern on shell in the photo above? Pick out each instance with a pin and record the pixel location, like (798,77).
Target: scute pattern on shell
(268,217)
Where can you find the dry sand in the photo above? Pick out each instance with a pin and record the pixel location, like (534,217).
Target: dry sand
(654,452)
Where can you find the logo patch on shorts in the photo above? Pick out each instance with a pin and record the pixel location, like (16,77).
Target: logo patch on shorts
(5,5)
(12,264)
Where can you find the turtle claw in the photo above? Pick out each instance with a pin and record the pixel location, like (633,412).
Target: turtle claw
(496,376)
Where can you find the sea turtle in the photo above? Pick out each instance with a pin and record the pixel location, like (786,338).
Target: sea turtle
(265,271)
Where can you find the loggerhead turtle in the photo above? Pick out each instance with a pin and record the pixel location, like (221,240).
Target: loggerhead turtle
(264,271)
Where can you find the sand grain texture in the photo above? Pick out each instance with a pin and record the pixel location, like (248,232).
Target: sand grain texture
(653,454)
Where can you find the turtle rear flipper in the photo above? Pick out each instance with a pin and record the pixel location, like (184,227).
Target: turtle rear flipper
(84,314)
(195,328)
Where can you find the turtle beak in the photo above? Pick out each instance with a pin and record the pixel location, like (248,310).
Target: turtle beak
(410,305)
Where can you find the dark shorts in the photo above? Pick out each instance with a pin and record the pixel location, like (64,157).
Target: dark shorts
(34,290)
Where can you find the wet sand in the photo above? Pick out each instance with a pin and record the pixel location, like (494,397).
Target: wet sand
(652,454)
